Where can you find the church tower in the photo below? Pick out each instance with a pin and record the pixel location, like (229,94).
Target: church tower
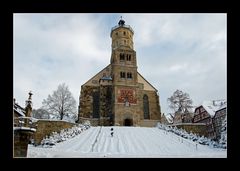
(124,73)
(119,95)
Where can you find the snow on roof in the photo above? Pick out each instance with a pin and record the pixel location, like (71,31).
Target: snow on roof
(106,78)
(19,109)
(214,105)
(24,129)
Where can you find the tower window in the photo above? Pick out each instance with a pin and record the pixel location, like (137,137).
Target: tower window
(122,74)
(116,33)
(129,75)
(124,42)
(128,57)
(124,33)
(122,57)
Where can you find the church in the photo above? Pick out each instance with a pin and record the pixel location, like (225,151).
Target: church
(119,95)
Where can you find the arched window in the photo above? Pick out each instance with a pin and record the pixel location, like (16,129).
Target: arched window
(128,57)
(95,104)
(122,74)
(122,57)
(129,75)
(146,107)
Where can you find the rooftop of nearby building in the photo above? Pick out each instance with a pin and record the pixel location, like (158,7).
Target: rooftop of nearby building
(214,105)
(20,110)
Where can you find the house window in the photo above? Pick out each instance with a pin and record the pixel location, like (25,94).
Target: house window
(202,109)
(95,104)
(146,107)
(122,57)
(122,74)
(129,75)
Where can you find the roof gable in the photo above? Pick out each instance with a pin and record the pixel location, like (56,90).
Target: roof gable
(146,84)
(212,106)
(94,81)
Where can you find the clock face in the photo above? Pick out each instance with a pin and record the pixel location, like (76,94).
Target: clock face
(127,95)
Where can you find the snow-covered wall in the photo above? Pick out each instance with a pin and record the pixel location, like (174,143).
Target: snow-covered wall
(148,123)
(46,127)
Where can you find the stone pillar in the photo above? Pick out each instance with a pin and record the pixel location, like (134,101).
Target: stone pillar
(21,140)
(28,108)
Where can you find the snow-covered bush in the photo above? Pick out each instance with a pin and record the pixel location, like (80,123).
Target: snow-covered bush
(87,124)
(191,136)
(63,135)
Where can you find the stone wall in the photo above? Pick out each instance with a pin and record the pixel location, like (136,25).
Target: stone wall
(197,128)
(148,123)
(46,127)
(86,101)
(21,140)
(93,121)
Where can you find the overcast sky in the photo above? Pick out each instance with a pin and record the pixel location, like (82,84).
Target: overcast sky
(174,51)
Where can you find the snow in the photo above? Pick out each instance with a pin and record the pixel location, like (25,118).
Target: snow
(212,106)
(127,142)
(24,128)
(19,109)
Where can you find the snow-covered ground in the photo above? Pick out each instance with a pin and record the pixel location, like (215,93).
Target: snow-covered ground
(127,142)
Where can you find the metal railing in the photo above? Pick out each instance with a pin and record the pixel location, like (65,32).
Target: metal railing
(126,26)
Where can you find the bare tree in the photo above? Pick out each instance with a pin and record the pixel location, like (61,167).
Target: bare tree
(180,102)
(61,102)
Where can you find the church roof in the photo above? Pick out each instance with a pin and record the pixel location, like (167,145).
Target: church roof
(97,75)
(146,81)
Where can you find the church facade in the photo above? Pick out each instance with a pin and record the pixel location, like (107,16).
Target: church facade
(119,95)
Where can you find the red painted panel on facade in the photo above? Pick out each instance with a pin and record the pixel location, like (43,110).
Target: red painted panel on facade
(127,95)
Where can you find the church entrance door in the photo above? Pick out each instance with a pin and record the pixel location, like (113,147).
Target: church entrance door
(128,122)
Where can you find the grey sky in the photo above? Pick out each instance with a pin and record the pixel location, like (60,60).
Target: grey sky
(174,51)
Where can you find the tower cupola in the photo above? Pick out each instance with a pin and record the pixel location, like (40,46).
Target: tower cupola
(122,36)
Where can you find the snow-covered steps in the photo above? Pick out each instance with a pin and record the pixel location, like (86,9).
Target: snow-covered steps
(127,142)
